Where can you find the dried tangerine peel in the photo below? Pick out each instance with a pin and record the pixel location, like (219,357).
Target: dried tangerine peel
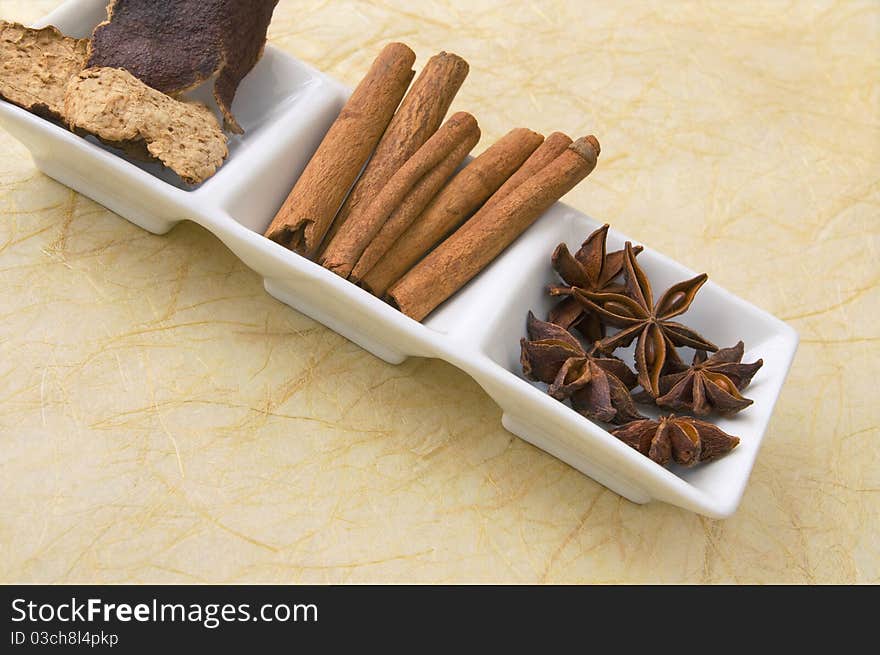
(36,65)
(118,108)
(175,45)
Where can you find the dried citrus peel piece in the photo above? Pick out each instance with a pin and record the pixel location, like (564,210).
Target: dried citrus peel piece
(119,109)
(175,45)
(35,66)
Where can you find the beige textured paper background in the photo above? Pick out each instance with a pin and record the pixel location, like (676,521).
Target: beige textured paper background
(162,419)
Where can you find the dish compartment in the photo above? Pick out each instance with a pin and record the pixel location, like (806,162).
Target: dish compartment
(519,279)
(284,106)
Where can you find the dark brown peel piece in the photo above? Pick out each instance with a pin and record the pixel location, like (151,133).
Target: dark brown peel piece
(597,385)
(175,45)
(682,439)
(36,65)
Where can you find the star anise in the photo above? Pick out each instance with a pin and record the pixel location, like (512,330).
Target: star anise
(598,386)
(638,317)
(591,269)
(711,383)
(683,439)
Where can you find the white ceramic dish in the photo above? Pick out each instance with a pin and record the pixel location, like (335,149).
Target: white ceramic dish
(285,108)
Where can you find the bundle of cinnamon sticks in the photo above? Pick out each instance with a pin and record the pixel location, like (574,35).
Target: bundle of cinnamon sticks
(381,204)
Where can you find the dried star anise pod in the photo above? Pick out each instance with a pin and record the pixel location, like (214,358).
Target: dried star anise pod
(590,269)
(638,317)
(683,439)
(598,386)
(711,383)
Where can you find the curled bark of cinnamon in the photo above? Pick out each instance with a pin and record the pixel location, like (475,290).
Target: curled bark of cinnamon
(418,117)
(553,146)
(453,205)
(403,189)
(473,246)
(308,212)
(412,206)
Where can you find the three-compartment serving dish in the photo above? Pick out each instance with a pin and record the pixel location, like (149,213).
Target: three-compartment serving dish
(285,108)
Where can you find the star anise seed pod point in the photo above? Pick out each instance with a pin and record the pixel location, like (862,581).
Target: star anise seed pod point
(710,383)
(589,269)
(640,318)
(598,386)
(682,439)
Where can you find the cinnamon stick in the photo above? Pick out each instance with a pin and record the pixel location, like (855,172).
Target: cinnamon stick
(453,205)
(412,206)
(553,146)
(355,235)
(308,212)
(417,118)
(474,245)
